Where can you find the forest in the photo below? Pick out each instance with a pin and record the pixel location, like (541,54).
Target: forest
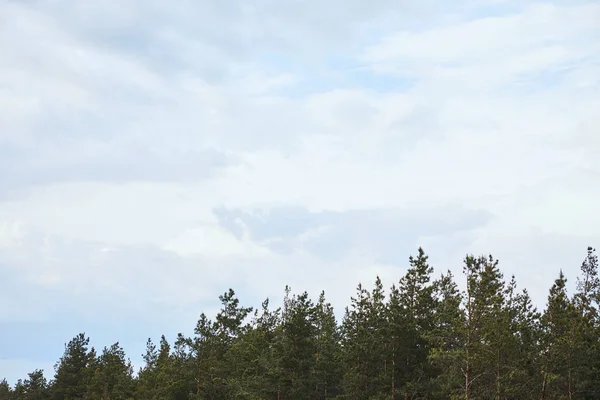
(422,338)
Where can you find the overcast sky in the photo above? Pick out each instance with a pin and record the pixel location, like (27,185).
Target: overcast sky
(156,153)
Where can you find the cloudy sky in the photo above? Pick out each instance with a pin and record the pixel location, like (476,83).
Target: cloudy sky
(156,153)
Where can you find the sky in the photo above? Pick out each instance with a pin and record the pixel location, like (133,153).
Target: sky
(156,153)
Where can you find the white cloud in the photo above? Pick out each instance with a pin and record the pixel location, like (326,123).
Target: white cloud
(540,37)
(126,131)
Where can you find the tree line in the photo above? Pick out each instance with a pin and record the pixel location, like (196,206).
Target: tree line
(423,338)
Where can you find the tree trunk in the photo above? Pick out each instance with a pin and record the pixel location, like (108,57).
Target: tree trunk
(498,376)
(468,367)
(570,377)
(544,381)
(394,378)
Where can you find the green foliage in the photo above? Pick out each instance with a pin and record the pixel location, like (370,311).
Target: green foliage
(112,376)
(35,387)
(74,370)
(5,390)
(422,339)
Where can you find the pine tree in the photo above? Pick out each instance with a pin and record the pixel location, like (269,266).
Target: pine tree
(18,392)
(151,355)
(587,298)
(587,347)
(523,362)
(416,299)
(158,379)
(365,346)
(447,340)
(558,343)
(395,333)
(497,336)
(73,374)
(112,376)
(204,357)
(472,333)
(5,390)
(210,344)
(178,370)
(295,348)
(485,331)
(251,357)
(327,372)
(230,326)
(377,326)
(147,382)
(35,387)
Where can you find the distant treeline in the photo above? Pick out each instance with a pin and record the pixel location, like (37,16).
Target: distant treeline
(422,338)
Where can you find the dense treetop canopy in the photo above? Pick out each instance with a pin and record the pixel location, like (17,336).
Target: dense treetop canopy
(423,338)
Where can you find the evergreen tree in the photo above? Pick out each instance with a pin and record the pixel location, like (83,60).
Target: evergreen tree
(254,374)
(396,334)
(522,365)
(210,344)
(365,346)
(471,359)
(587,346)
(558,344)
(147,376)
(19,391)
(587,298)
(73,372)
(417,307)
(447,339)
(295,348)
(178,370)
(160,377)
(35,387)
(5,390)
(328,369)
(204,357)
(496,330)
(485,330)
(112,376)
